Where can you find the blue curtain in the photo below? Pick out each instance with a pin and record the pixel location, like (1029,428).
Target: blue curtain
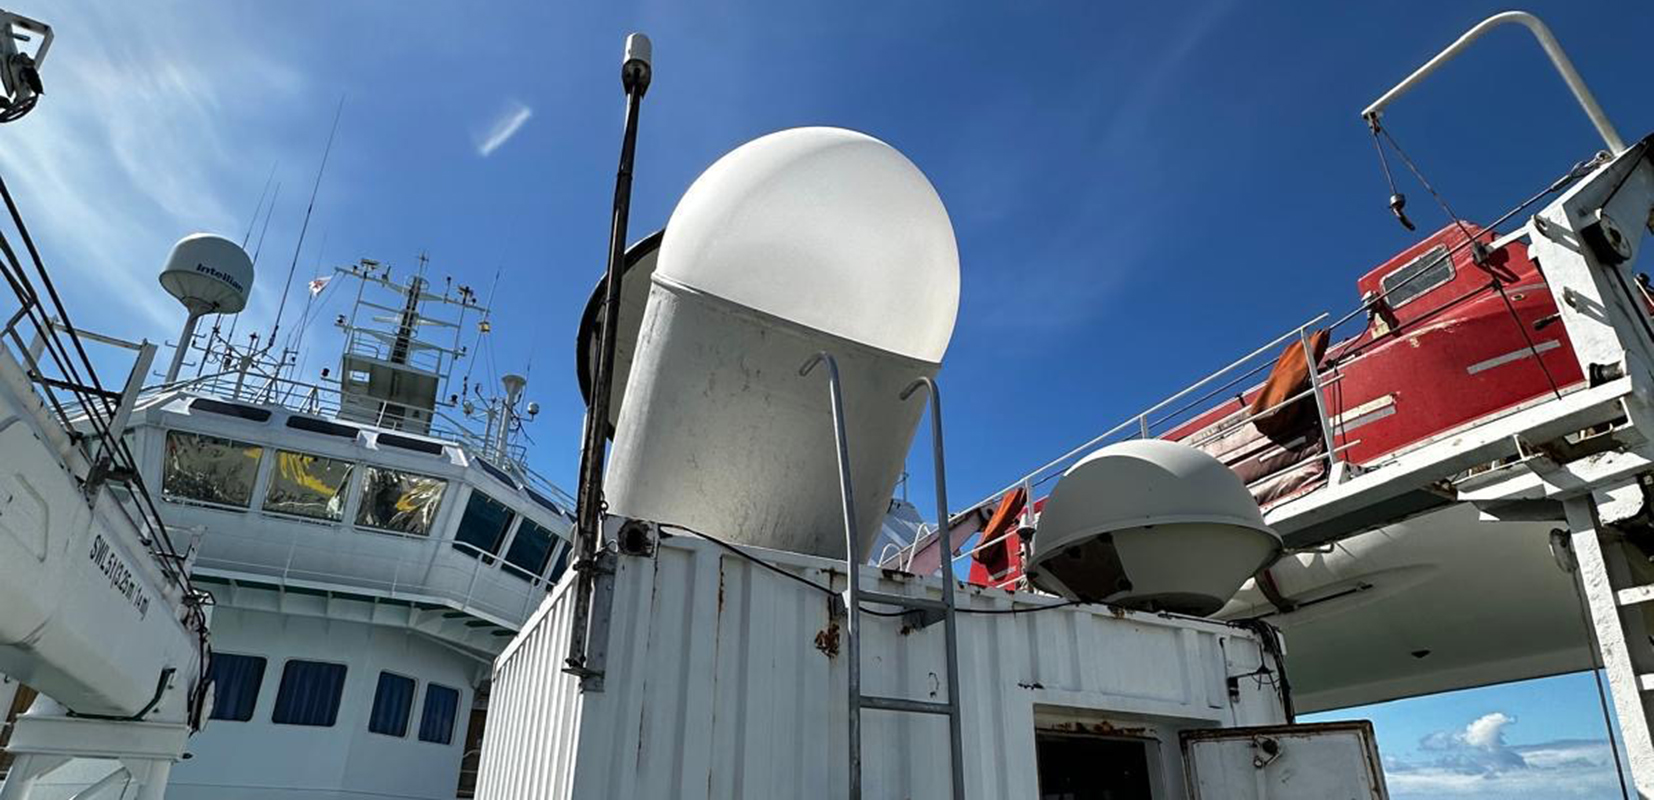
(309,693)
(392,703)
(436,723)
(235,685)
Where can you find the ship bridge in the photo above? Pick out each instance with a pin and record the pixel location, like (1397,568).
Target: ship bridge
(306,513)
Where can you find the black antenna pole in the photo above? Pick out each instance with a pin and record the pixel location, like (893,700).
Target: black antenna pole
(635,73)
(263,193)
(287,287)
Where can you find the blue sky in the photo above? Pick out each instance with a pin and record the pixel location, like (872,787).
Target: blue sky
(1139,190)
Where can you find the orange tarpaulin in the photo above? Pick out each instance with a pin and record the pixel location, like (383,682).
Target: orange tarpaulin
(1290,377)
(1000,560)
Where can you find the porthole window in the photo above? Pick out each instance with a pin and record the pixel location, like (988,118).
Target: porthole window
(1418,276)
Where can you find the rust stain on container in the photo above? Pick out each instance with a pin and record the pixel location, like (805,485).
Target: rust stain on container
(827,639)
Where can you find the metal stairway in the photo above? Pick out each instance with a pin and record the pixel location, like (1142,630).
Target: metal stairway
(921,611)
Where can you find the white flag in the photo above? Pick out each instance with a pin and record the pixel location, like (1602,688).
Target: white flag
(317,285)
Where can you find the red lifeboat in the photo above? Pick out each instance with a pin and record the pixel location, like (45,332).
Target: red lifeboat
(1455,334)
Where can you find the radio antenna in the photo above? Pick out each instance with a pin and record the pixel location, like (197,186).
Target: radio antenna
(287,286)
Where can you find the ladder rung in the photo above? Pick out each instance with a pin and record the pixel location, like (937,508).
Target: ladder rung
(1646,681)
(903,600)
(900,704)
(1635,595)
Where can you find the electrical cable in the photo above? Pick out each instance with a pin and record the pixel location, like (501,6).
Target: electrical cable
(828,590)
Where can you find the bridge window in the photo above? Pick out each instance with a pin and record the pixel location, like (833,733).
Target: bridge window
(392,704)
(531,548)
(308,485)
(209,469)
(563,551)
(309,694)
(436,722)
(484,525)
(1418,276)
(236,680)
(400,502)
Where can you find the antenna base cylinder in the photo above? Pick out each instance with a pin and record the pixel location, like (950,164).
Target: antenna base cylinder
(720,434)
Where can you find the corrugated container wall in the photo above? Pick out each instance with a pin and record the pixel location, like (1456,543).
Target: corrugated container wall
(725,680)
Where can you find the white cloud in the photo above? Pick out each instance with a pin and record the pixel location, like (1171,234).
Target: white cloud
(1476,762)
(505,126)
(1488,731)
(140,139)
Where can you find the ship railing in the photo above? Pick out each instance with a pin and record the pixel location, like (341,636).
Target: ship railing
(419,354)
(252,384)
(1171,418)
(471,580)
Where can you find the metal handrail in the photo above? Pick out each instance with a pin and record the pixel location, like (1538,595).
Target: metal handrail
(1139,421)
(482,574)
(1553,50)
(326,400)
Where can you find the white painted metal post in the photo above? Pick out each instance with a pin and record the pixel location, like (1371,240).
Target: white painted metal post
(852,592)
(1627,659)
(1320,405)
(950,622)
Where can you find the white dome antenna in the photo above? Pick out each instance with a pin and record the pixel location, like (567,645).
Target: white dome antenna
(208,274)
(1152,525)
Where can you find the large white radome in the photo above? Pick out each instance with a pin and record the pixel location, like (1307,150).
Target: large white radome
(825,227)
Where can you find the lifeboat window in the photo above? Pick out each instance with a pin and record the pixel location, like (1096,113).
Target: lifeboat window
(392,705)
(308,486)
(436,721)
(236,680)
(309,694)
(483,527)
(209,469)
(1418,276)
(531,548)
(399,502)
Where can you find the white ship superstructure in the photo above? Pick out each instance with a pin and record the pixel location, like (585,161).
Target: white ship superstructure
(370,544)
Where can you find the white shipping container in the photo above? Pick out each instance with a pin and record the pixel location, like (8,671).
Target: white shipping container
(724,680)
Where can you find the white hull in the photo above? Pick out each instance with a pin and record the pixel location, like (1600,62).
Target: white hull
(1453,603)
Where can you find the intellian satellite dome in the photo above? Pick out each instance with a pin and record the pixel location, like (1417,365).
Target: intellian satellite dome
(1150,524)
(804,241)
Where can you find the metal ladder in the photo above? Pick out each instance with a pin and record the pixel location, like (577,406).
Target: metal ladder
(922,611)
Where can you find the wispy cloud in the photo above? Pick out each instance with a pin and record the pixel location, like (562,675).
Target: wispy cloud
(1476,761)
(504,127)
(133,147)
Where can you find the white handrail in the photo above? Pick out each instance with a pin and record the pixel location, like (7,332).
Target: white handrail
(1559,59)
